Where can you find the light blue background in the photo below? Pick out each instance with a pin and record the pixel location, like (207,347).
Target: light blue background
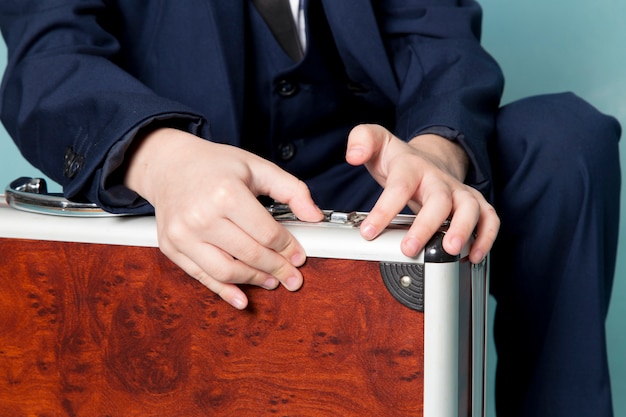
(543,46)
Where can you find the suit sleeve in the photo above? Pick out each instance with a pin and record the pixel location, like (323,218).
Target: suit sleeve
(69,107)
(445,78)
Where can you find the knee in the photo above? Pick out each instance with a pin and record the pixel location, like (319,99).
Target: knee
(557,133)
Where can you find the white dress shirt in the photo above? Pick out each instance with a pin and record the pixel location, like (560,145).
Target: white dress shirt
(297,9)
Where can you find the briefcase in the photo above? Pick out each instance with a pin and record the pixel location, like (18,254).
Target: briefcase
(97,322)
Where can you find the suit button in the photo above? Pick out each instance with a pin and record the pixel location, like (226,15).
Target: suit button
(72,164)
(286,151)
(286,88)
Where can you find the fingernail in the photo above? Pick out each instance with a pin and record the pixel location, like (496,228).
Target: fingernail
(298,259)
(293,283)
(478,254)
(355,151)
(368,231)
(355,155)
(239,302)
(456,245)
(412,246)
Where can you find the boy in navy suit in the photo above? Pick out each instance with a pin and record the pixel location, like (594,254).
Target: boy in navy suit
(192,112)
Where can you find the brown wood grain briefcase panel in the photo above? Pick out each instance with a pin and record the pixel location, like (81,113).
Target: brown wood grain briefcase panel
(92,329)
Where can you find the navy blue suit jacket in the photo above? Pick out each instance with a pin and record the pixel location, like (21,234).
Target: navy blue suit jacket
(84,76)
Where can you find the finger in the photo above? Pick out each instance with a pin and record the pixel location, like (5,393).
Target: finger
(230,293)
(262,231)
(240,211)
(465,216)
(218,264)
(271,257)
(435,210)
(272,181)
(394,197)
(486,233)
(365,143)
(229,253)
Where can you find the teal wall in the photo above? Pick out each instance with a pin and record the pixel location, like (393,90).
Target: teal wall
(543,46)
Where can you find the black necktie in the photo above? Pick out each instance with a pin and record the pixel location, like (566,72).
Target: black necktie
(277,15)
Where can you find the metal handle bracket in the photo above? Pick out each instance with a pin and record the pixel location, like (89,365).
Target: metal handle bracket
(31,194)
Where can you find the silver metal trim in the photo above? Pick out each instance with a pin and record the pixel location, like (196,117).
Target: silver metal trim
(31,195)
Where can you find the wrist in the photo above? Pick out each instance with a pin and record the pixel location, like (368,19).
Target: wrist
(447,154)
(141,158)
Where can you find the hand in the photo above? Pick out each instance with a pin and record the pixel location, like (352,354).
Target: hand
(427,174)
(209,221)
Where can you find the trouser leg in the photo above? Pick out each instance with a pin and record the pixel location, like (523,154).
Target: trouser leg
(557,184)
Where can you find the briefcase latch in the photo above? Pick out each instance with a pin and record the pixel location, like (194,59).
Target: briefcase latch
(282,212)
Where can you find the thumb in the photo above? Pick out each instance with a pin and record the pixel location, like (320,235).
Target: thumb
(365,143)
(288,189)
(304,208)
